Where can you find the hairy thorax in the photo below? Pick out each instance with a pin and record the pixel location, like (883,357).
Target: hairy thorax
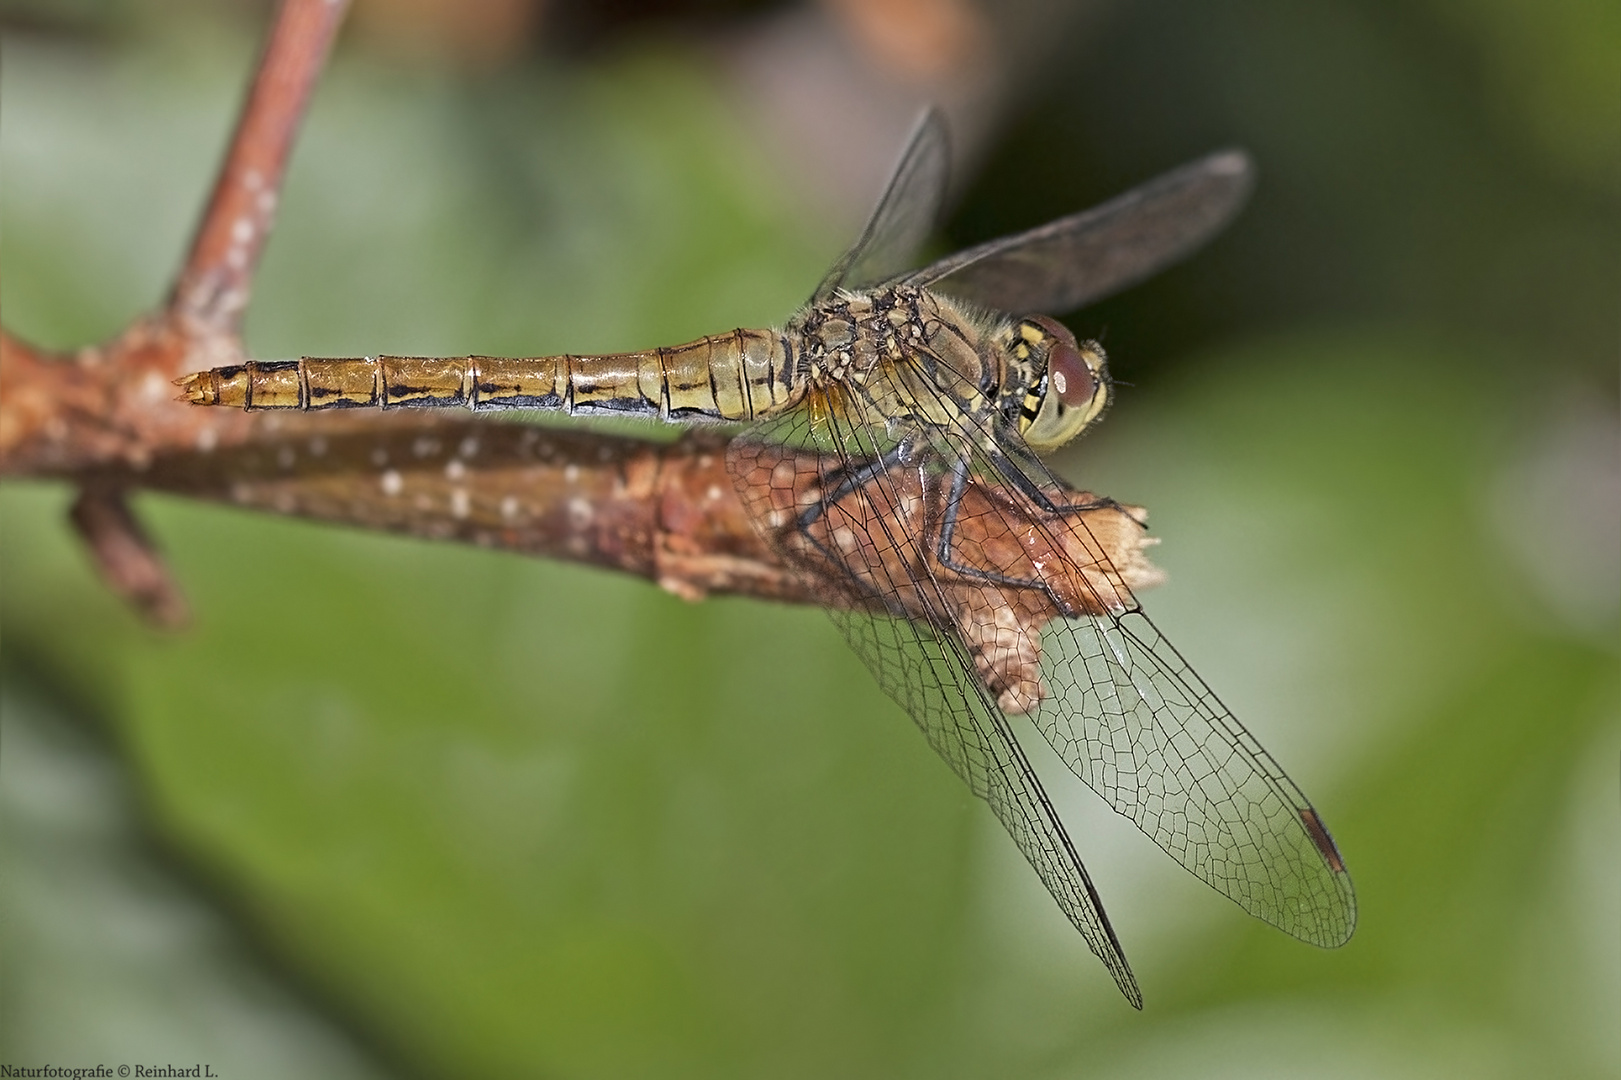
(894,354)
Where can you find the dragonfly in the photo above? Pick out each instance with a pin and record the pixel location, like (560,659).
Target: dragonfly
(888,441)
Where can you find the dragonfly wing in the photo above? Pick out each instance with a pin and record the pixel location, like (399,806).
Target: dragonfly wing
(814,486)
(1140,727)
(926,673)
(1085,257)
(1134,721)
(905,213)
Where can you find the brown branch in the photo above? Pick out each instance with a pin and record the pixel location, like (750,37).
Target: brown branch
(211,292)
(61,413)
(128,562)
(672,513)
(111,407)
(664,511)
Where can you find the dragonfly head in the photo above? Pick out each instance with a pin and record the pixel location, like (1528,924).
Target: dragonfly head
(1069,384)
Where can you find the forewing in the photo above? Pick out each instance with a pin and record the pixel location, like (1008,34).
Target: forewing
(1135,722)
(826,470)
(1085,257)
(1140,727)
(905,213)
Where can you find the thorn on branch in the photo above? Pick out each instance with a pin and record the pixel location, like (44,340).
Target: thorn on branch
(126,558)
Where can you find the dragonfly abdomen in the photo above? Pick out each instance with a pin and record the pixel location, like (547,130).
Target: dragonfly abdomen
(737,376)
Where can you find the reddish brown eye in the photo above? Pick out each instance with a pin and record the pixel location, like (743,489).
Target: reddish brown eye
(1067,372)
(1069,376)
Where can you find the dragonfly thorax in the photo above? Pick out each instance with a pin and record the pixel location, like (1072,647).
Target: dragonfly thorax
(898,353)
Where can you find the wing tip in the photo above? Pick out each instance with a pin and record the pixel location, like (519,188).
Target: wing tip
(1340,931)
(1236,168)
(1321,840)
(1134,997)
(1124,980)
(1231,161)
(1230,170)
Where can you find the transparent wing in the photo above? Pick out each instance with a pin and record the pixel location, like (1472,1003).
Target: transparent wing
(822,494)
(905,214)
(976,587)
(1135,722)
(924,671)
(1082,258)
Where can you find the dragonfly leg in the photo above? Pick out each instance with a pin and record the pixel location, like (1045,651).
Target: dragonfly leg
(1010,471)
(1019,480)
(948,534)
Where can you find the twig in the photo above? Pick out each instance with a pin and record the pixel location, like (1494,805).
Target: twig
(127,560)
(111,407)
(61,413)
(211,292)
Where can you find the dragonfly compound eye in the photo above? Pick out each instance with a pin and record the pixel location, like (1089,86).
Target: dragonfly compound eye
(1075,389)
(1069,377)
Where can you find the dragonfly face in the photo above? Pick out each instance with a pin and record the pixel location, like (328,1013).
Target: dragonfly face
(889,453)
(1066,383)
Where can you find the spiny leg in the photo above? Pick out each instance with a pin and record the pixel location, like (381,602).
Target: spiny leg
(960,473)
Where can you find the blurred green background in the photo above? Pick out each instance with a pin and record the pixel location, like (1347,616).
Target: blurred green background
(396,808)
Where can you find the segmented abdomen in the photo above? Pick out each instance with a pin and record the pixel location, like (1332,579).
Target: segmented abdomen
(737,376)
